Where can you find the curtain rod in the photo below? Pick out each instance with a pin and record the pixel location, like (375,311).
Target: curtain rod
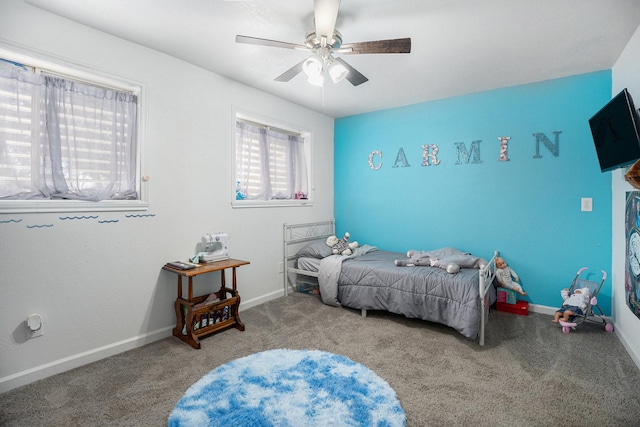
(262,125)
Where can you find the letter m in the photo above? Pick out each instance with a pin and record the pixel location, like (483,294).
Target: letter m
(462,152)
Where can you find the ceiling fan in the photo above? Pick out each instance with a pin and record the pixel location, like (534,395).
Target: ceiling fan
(324,41)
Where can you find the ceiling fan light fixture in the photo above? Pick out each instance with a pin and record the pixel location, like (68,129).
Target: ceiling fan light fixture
(316,80)
(323,41)
(312,67)
(337,71)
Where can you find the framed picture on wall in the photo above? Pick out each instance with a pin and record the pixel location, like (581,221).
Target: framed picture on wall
(632,258)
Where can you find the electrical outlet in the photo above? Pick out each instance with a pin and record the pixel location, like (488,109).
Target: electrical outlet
(586,204)
(280,267)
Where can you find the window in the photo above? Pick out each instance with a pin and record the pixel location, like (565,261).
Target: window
(67,140)
(270,165)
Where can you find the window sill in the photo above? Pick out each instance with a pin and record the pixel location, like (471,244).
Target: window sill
(270,203)
(42,206)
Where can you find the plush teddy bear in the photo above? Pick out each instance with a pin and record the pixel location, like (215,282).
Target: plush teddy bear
(341,246)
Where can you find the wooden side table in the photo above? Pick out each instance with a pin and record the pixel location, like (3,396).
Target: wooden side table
(197,316)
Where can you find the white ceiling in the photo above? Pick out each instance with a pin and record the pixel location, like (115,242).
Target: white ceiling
(458,46)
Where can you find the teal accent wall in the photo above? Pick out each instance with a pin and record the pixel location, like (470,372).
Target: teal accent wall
(528,208)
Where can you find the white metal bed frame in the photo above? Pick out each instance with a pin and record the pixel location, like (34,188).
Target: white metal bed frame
(295,236)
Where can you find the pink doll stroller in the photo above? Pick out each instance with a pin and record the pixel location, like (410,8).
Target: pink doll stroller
(593,312)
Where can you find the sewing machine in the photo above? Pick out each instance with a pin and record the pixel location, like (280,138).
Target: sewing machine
(215,247)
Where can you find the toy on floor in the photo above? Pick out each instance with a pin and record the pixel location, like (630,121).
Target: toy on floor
(580,304)
(567,325)
(504,273)
(573,305)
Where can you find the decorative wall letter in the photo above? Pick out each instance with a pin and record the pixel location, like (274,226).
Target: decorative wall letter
(504,146)
(401,158)
(371,156)
(433,155)
(554,148)
(462,150)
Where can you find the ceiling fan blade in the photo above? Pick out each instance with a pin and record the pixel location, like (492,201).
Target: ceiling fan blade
(291,72)
(355,77)
(270,43)
(378,46)
(325,14)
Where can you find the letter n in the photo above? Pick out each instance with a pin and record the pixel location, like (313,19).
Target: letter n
(554,148)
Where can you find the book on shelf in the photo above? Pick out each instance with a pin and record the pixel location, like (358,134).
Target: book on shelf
(180,265)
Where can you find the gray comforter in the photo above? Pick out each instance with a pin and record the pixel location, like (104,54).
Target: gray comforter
(370,280)
(329,273)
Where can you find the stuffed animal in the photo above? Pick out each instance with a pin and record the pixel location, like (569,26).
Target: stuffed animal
(341,246)
(448,259)
(414,259)
(420,258)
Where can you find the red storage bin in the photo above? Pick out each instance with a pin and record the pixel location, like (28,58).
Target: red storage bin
(520,307)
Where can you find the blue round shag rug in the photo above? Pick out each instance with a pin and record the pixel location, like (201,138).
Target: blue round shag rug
(290,388)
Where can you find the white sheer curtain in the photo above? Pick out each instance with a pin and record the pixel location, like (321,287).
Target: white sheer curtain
(62,139)
(270,163)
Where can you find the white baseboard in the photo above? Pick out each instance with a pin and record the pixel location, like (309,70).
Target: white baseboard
(75,361)
(543,309)
(260,300)
(625,343)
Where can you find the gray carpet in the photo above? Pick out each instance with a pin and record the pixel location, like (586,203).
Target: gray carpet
(528,374)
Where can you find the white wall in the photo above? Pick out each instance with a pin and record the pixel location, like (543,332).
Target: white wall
(625,74)
(99,287)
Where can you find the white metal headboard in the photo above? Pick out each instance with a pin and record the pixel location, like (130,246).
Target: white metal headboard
(295,236)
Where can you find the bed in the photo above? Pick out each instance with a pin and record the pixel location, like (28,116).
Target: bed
(369,279)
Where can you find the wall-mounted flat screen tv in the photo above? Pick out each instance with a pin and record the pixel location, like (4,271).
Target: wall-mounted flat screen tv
(615,132)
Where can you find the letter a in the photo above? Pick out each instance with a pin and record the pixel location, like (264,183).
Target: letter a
(401,158)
